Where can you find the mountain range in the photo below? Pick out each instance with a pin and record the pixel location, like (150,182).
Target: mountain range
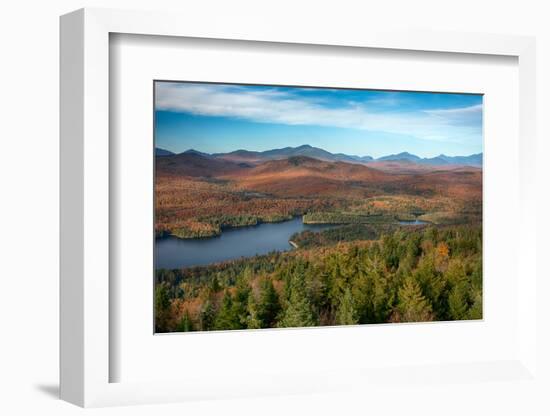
(254,157)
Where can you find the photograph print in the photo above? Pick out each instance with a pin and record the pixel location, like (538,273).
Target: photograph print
(291,207)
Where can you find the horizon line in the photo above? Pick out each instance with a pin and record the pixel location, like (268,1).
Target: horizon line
(308,145)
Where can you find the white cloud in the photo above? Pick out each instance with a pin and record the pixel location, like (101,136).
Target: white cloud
(471,110)
(471,115)
(276,106)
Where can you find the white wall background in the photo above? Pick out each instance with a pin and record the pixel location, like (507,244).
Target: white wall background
(29,56)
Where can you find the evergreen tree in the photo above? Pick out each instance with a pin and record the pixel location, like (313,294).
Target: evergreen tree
(410,275)
(390,251)
(215,284)
(346,314)
(430,234)
(412,306)
(240,300)
(185,324)
(298,311)
(362,293)
(226,318)
(458,297)
(382,298)
(268,304)
(252,322)
(336,277)
(476,310)
(162,308)
(207,316)
(476,278)
(458,301)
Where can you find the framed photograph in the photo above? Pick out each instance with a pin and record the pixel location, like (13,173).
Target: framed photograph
(273,212)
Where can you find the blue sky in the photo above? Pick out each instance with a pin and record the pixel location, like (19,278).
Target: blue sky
(217,118)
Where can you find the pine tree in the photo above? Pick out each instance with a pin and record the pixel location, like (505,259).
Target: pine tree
(185,324)
(476,310)
(252,320)
(336,279)
(346,314)
(458,301)
(458,297)
(268,304)
(226,318)
(432,284)
(298,311)
(240,300)
(215,285)
(371,292)
(412,306)
(207,316)
(162,308)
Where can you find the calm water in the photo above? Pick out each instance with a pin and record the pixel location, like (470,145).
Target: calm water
(413,222)
(172,253)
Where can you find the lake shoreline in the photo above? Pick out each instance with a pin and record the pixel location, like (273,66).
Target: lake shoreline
(235,242)
(219,233)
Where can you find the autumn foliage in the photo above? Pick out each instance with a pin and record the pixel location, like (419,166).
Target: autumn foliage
(413,275)
(369,269)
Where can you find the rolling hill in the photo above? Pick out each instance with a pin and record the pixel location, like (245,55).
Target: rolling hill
(300,176)
(286,152)
(196,193)
(304,176)
(308,166)
(194,164)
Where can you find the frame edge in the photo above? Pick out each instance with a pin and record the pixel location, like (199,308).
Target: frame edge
(71,220)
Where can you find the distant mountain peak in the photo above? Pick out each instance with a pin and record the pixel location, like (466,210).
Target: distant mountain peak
(311,152)
(400,156)
(241,151)
(196,152)
(163,152)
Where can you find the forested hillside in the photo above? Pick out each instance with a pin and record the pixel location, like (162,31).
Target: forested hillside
(198,196)
(353,276)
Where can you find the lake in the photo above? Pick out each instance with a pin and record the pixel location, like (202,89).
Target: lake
(412,222)
(173,253)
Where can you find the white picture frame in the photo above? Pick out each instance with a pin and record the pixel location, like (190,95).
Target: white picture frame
(85,211)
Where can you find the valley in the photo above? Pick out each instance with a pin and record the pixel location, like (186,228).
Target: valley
(198,195)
